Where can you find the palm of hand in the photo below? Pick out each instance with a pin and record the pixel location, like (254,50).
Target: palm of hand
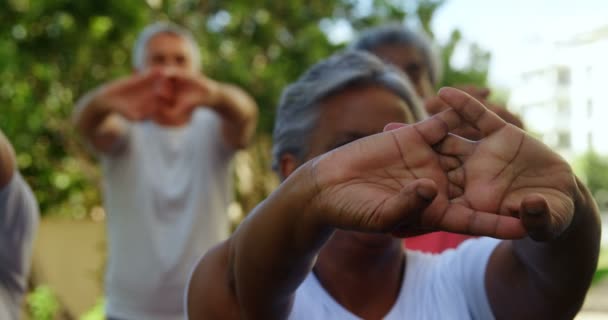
(507,170)
(134,97)
(507,173)
(172,93)
(384,183)
(507,185)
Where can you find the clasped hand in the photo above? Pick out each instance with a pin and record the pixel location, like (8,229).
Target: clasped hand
(170,93)
(419,178)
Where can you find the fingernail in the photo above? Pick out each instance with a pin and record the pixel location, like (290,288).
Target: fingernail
(534,211)
(426,193)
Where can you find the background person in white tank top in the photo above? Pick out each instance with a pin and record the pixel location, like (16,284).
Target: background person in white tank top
(165,135)
(322,246)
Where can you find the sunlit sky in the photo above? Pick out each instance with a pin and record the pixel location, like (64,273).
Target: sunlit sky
(518,33)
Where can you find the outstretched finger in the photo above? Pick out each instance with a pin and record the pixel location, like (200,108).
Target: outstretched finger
(461,219)
(437,127)
(473,111)
(435,105)
(454,145)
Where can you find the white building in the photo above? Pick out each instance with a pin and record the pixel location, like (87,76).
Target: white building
(565,100)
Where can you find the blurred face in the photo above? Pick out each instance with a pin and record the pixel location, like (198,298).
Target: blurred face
(167,50)
(411,61)
(355,113)
(349,115)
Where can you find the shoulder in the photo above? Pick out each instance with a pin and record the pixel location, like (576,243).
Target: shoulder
(18,206)
(210,293)
(17,191)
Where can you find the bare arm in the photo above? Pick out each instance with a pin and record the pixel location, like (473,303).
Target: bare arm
(272,252)
(102,115)
(240,114)
(546,274)
(527,279)
(99,123)
(7,161)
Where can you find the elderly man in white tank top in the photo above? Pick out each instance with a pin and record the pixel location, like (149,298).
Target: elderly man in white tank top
(165,136)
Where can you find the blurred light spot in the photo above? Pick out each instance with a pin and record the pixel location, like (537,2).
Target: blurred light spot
(235,212)
(19,32)
(24,160)
(155,4)
(100,26)
(20,5)
(61,181)
(262,16)
(244,173)
(98,214)
(218,21)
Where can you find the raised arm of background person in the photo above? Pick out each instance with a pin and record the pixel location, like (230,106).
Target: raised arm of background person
(389,182)
(7,161)
(102,115)
(236,107)
(546,275)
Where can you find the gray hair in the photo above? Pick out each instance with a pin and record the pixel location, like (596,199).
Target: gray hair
(398,34)
(298,110)
(138,58)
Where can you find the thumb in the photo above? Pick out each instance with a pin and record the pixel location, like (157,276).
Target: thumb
(535,216)
(404,210)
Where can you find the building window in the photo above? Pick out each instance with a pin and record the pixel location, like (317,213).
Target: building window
(563,76)
(563,140)
(563,106)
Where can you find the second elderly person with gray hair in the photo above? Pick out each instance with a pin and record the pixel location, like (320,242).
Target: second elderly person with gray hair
(415,54)
(165,137)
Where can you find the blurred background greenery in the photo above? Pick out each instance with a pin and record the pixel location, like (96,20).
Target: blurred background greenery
(52,51)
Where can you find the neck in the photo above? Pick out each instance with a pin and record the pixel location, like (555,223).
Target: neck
(362,272)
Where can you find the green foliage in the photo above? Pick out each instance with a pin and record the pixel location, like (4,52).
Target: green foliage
(595,169)
(42,304)
(53,51)
(96,313)
(475,72)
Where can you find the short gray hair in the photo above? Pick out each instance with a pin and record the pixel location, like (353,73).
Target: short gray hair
(138,58)
(398,34)
(298,110)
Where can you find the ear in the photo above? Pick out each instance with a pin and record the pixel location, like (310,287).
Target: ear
(288,163)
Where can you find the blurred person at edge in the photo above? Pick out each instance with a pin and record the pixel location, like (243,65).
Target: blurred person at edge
(18,224)
(165,136)
(414,53)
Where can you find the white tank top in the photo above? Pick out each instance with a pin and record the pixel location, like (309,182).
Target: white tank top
(444,286)
(166,197)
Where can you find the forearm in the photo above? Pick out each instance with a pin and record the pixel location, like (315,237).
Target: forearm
(239,112)
(7,161)
(561,270)
(275,248)
(98,122)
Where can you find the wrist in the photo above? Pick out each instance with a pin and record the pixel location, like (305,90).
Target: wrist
(302,191)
